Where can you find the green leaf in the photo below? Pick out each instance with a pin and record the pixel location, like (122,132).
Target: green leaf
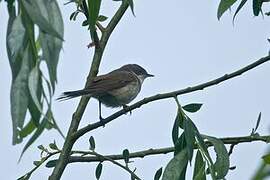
(224,5)
(93,9)
(51,163)
(175,130)
(189,132)
(102,18)
(53,146)
(92,143)
(38,132)
(34,86)
(194,107)
(257,5)
(158,174)
(85,23)
(203,148)
(20,96)
(180,144)
(176,165)
(73,15)
(36,163)
(35,10)
(126,156)
(266,158)
(199,167)
(257,124)
(222,163)
(242,3)
(28,129)
(42,148)
(16,38)
(50,45)
(34,111)
(131,5)
(98,170)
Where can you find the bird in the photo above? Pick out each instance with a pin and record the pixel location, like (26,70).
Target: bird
(114,89)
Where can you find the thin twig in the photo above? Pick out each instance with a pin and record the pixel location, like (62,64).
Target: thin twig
(172,94)
(150,152)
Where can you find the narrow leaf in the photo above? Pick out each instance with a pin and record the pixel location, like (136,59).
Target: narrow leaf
(38,132)
(224,5)
(51,163)
(50,45)
(194,107)
(93,9)
(180,144)
(92,143)
(28,129)
(33,9)
(53,146)
(242,3)
(33,85)
(158,174)
(189,131)
(131,5)
(175,130)
(257,5)
(41,147)
(175,167)
(222,163)
(199,167)
(258,122)
(19,96)
(15,38)
(102,18)
(126,156)
(36,163)
(203,148)
(98,170)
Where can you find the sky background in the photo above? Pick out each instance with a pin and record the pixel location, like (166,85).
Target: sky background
(183,44)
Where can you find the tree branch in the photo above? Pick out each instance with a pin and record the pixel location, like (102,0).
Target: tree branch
(116,163)
(77,115)
(172,94)
(150,152)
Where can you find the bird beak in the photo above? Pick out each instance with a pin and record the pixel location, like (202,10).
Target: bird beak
(149,75)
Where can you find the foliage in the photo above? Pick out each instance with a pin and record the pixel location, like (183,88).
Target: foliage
(226,5)
(34,36)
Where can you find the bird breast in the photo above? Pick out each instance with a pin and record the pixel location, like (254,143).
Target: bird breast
(126,94)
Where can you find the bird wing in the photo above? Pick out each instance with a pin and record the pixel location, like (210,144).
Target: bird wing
(114,80)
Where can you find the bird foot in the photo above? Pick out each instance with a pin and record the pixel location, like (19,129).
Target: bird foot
(125,107)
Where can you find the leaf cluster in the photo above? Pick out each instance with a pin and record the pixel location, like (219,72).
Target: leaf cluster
(34,36)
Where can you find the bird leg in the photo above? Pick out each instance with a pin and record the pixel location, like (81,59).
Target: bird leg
(125,107)
(100,117)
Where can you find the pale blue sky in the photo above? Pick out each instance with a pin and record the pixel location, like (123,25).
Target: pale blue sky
(183,44)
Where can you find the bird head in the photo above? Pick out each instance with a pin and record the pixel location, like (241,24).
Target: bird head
(140,72)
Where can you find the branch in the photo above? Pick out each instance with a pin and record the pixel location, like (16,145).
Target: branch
(172,94)
(77,115)
(116,163)
(150,152)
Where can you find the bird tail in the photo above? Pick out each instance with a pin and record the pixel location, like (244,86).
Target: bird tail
(72,94)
